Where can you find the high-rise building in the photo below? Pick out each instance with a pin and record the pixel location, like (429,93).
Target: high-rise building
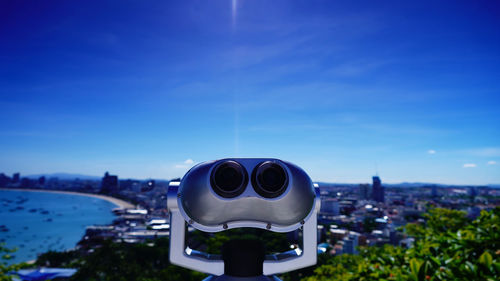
(4,180)
(377,190)
(109,184)
(434,192)
(364,191)
(350,244)
(41,180)
(16,177)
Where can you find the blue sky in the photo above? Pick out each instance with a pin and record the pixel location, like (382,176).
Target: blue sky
(146,89)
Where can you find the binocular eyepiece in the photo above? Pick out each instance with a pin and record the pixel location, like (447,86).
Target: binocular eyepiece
(246,192)
(229,179)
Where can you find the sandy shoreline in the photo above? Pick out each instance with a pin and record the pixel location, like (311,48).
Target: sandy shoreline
(118,202)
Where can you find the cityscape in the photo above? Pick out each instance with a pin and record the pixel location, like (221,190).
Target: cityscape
(351,215)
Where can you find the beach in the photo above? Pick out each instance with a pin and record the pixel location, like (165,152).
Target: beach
(36,221)
(118,202)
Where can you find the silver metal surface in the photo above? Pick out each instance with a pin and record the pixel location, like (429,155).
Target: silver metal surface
(243,211)
(302,258)
(179,254)
(207,211)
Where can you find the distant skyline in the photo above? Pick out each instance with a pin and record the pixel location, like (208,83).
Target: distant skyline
(344,89)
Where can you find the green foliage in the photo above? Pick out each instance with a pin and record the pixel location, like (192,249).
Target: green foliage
(448,247)
(273,242)
(121,261)
(58,259)
(442,220)
(5,255)
(150,261)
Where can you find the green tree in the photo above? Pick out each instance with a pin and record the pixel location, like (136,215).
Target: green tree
(58,259)
(447,247)
(212,242)
(121,261)
(5,268)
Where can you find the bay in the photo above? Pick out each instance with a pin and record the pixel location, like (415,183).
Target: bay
(36,222)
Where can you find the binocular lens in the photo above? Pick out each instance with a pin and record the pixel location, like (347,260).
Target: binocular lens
(228,179)
(270,179)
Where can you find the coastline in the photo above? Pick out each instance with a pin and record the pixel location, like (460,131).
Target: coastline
(118,202)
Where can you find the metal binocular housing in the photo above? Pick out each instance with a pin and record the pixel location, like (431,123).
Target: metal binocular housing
(244,192)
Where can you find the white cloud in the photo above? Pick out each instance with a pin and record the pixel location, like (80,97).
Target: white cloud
(492,162)
(431,151)
(184,165)
(470,165)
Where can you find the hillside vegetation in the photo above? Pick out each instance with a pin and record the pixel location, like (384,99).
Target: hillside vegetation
(447,247)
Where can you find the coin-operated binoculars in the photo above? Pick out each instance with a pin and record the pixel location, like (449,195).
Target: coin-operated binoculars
(249,192)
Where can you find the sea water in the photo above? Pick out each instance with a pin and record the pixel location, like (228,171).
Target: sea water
(36,222)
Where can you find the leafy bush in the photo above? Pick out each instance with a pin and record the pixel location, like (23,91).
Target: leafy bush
(121,261)
(5,268)
(447,247)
